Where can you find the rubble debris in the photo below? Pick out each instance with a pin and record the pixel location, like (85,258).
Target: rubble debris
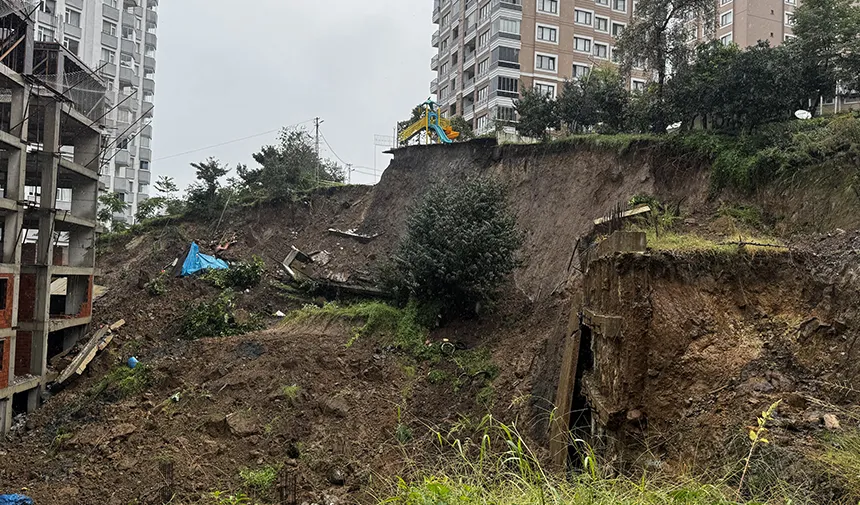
(354,235)
(280,314)
(321,258)
(296,263)
(831,422)
(98,342)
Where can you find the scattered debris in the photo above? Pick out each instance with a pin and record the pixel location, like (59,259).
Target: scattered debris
(354,235)
(296,265)
(195,262)
(831,422)
(321,258)
(132,362)
(280,314)
(98,342)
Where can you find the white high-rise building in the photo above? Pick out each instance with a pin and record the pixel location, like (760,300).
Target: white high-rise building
(117,38)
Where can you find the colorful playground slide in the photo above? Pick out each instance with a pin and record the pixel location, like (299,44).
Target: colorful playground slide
(431,121)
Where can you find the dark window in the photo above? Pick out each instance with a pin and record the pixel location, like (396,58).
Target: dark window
(4,285)
(509,54)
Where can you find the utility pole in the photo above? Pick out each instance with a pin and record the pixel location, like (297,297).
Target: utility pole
(317,123)
(349,173)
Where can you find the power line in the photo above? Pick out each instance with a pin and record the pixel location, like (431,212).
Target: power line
(230,141)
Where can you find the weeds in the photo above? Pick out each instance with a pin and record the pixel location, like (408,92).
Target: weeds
(215,319)
(123,381)
(240,276)
(158,285)
(841,458)
(291,392)
(757,436)
(222,498)
(259,480)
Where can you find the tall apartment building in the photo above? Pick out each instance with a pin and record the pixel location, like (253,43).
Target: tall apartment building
(118,38)
(50,142)
(489,49)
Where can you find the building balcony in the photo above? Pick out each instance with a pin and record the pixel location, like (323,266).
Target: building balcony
(151,39)
(107,69)
(468,86)
(435,39)
(111,13)
(131,3)
(149,110)
(149,63)
(144,176)
(434,63)
(151,17)
(468,112)
(152,4)
(123,158)
(129,47)
(145,154)
(434,84)
(514,5)
(469,62)
(127,76)
(146,132)
(110,41)
(149,85)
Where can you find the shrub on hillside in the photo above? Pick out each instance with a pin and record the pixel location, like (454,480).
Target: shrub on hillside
(214,319)
(241,276)
(459,247)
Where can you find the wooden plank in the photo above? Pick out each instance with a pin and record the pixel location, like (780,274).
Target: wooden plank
(117,325)
(560,429)
(91,344)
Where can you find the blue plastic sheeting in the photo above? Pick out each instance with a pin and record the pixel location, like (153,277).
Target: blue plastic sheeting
(15,499)
(196,262)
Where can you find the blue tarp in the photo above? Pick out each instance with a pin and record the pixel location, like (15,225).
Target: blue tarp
(15,499)
(196,262)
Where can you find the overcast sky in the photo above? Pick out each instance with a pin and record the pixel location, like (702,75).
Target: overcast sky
(228,70)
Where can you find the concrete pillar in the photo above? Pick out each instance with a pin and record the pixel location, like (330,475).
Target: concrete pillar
(39,349)
(77,293)
(84,199)
(16,170)
(34,397)
(82,248)
(88,149)
(50,165)
(5,415)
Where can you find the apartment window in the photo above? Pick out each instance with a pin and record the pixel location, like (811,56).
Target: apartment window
(602,2)
(483,94)
(791,2)
(73,17)
(788,37)
(508,86)
(72,45)
(727,18)
(45,34)
(483,66)
(445,20)
(483,123)
(582,45)
(789,19)
(601,51)
(144,165)
(143,188)
(726,39)
(580,71)
(506,114)
(112,3)
(614,56)
(544,62)
(128,33)
(126,61)
(123,116)
(510,55)
(545,89)
(443,68)
(484,39)
(484,13)
(582,17)
(617,29)
(138,24)
(443,92)
(637,85)
(725,2)
(548,6)
(601,24)
(511,26)
(109,28)
(547,34)
(443,47)
(108,55)
(49,6)
(619,5)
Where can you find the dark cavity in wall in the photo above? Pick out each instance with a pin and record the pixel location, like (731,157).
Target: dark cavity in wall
(580,428)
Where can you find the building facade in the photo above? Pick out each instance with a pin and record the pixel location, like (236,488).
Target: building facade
(117,38)
(489,49)
(50,108)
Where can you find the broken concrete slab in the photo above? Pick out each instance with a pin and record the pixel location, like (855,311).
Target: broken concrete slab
(353,234)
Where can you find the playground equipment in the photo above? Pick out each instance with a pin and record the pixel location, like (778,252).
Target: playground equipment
(430,121)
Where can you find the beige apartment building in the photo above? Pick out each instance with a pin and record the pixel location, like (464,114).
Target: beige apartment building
(489,49)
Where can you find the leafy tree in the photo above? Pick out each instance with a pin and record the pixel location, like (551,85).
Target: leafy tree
(460,245)
(147,209)
(537,112)
(110,204)
(657,37)
(598,99)
(643,111)
(166,186)
(203,196)
(290,166)
(458,124)
(828,42)
(695,92)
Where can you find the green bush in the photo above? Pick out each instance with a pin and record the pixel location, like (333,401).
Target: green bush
(241,276)
(460,245)
(261,479)
(214,319)
(158,285)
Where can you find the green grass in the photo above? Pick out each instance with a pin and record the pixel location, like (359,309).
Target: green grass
(123,381)
(841,459)
(291,392)
(397,327)
(260,479)
(691,242)
(490,463)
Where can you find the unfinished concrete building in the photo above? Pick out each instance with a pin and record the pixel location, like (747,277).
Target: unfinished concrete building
(50,142)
